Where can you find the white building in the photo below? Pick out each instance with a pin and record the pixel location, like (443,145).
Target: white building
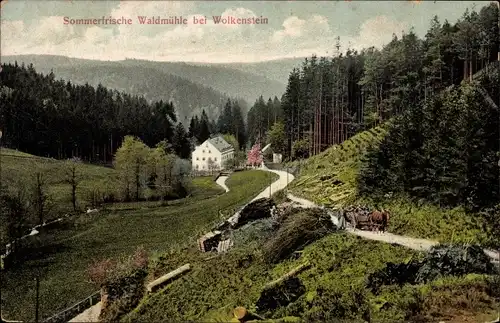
(212,154)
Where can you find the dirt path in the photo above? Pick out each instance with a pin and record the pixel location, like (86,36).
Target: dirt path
(89,315)
(282,182)
(221,181)
(409,242)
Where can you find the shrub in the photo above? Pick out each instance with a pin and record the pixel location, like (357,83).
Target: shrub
(442,260)
(454,260)
(100,271)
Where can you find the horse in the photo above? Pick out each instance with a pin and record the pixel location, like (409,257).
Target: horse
(380,219)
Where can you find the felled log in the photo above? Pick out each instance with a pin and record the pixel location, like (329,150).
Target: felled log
(242,315)
(224,245)
(288,275)
(154,285)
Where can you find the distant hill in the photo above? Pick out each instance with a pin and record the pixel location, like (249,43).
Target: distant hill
(246,81)
(277,70)
(191,87)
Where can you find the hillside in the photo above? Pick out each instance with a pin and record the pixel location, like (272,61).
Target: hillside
(330,177)
(18,170)
(63,255)
(191,87)
(240,83)
(154,85)
(278,70)
(345,271)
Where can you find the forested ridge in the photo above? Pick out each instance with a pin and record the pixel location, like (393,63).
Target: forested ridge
(438,97)
(190,87)
(328,100)
(409,81)
(56,118)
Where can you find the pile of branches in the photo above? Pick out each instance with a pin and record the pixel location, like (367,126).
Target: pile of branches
(282,212)
(297,231)
(255,210)
(442,260)
(257,231)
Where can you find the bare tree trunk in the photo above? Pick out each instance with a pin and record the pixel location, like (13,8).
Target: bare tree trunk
(319,116)
(137,183)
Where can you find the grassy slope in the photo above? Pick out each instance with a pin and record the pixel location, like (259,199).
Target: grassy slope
(343,162)
(17,168)
(62,255)
(215,287)
(336,284)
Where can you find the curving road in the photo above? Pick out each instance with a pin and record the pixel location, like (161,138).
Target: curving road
(221,181)
(282,182)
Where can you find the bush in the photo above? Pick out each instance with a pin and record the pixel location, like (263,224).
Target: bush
(122,283)
(285,293)
(102,272)
(454,260)
(442,260)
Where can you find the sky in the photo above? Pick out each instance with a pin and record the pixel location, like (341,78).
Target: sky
(294,28)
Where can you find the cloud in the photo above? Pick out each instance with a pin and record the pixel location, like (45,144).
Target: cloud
(297,36)
(11,30)
(295,28)
(378,31)
(51,31)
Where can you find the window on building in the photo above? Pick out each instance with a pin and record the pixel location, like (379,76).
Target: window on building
(203,150)
(215,158)
(197,158)
(203,158)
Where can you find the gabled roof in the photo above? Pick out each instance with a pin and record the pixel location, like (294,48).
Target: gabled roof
(220,144)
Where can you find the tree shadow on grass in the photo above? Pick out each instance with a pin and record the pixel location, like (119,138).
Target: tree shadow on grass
(35,255)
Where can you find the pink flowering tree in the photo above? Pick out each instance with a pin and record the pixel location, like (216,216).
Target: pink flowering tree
(254,156)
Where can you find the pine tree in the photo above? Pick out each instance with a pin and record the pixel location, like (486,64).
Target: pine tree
(180,142)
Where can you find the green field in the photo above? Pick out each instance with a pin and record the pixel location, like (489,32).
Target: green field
(62,255)
(18,169)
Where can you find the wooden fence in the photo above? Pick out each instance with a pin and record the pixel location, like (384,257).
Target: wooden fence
(70,312)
